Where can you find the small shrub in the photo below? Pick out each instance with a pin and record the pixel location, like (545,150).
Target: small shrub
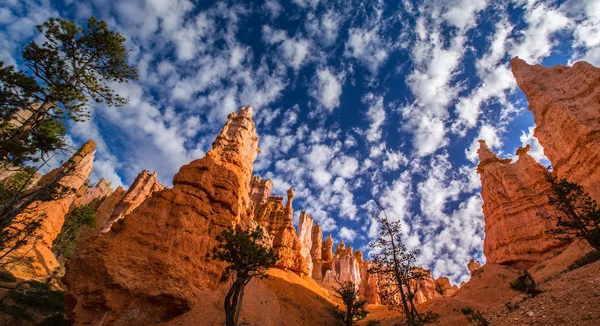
(525,283)
(7,277)
(430,317)
(590,257)
(519,285)
(467,311)
(373,322)
(475,317)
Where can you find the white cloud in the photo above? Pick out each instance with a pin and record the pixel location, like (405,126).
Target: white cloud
(536,41)
(327,90)
(536,151)
(489,133)
(376,116)
(347,234)
(344,166)
(367,46)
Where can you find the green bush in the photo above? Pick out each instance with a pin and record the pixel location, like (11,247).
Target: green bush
(475,317)
(66,242)
(590,257)
(373,323)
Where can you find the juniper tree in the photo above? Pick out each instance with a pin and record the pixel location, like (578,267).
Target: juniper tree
(247,257)
(348,292)
(394,262)
(581,217)
(72,66)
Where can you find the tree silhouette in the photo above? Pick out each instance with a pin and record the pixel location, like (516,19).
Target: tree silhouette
(348,292)
(581,217)
(395,265)
(247,256)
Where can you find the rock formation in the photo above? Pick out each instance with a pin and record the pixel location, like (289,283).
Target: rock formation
(92,196)
(107,207)
(566,110)
(316,251)
(144,185)
(152,266)
(473,266)
(369,288)
(260,190)
(286,243)
(35,258)
(305,228)
(515,204)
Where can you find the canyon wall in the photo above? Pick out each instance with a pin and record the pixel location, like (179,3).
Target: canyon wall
(566,109)
(515,206)
(48,205)
(152,265)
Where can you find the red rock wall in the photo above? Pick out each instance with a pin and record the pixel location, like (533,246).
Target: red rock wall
(515,202)
(565,102)
(152,265)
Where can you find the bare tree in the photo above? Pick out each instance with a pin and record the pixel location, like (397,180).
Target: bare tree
(395,263)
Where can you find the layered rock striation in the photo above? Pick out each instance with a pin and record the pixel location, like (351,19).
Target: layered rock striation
(566,110)
(152,265)
(516,209)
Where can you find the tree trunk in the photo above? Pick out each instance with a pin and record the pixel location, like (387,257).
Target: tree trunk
(238,308)
(349,316)
(230,304)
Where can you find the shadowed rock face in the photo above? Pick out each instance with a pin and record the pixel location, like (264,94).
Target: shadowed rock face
(152,265)
(515,204)
(35,259)
(566,109)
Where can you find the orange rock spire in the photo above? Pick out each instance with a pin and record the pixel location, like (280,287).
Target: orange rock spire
(566,110)
(515,202)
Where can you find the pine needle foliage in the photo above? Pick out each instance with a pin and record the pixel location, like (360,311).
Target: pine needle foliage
(72,66)
(581,217)
(247,256)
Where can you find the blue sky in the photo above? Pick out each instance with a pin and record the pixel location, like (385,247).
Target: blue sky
(353,100)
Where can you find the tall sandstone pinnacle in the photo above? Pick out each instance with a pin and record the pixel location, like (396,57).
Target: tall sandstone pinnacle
(144,185)
(565,102)
(152,265)
(515,204)
(35,259)
(286,243)
(305,229)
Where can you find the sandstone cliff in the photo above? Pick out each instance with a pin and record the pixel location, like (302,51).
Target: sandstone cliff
(152,266)
(515,204)
(35,258)
(305,230)
(566,110)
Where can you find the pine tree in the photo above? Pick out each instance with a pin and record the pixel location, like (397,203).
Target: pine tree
(395,264)
(348,292)
(581,217)
(74,64)
(247,256)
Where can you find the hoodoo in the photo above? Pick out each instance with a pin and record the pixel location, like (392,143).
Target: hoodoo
(566,110)
(515,206)
(152,265)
